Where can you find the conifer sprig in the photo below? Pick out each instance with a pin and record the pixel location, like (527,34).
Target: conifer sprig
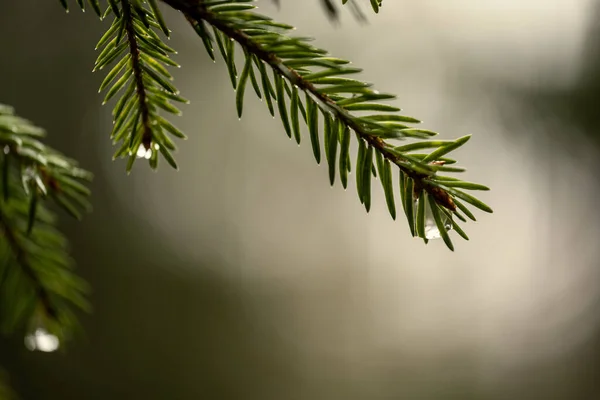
(346,106)
(335,105)
(300,81)
(37,285)
(140,58)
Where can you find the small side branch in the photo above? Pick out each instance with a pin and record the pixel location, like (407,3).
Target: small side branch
(138,74)
(20,255)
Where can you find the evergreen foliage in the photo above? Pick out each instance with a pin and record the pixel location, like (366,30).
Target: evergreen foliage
(141,74)
(37,285)
(336,107)
(303,84)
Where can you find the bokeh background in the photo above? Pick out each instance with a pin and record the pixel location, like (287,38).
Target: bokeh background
(245,276)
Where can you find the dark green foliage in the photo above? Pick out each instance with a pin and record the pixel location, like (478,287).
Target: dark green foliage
(409,204)
(345,103)
(344,155)
(139,71)
(37,285)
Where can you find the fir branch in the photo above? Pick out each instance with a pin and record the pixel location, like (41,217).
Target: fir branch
(36,284)
(344,103)
(322,77)
(9,232)
(294,77)
(140,59)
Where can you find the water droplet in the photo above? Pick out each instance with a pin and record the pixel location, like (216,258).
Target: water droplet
(148,154)
(431,230)
(41,340)
(6,149)
(141,151)
(156,146)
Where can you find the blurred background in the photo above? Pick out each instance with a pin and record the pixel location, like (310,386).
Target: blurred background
(245,276)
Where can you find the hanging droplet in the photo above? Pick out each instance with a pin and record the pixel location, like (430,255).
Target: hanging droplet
(431,229)
(41,340)
(141,151)
(6,149)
